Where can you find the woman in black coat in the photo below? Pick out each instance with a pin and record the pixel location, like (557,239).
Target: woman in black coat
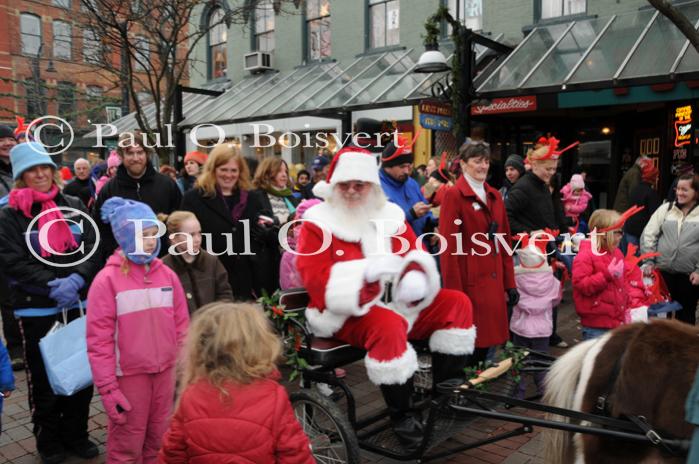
(45,279)
(228,211)
(274,188)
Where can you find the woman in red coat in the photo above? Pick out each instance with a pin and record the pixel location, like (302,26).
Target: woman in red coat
(474,260)
(232,409)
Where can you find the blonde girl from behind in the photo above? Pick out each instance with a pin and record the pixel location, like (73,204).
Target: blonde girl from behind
(231,404)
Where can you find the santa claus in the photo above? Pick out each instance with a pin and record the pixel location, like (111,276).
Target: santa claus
(352,246)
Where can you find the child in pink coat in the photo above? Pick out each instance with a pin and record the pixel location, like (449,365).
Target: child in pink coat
(137,322)
(289,276)
(539,292)
(575,199)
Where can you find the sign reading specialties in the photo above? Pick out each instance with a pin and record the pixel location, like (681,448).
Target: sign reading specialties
(683,125)
(506,105)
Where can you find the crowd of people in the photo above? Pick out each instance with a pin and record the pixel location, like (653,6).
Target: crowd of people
(154,297)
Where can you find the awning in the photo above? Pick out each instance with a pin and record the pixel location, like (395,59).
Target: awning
(638,48)
(190,101)
(368,81)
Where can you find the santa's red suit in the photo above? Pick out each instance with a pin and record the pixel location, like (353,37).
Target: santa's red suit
(345,260)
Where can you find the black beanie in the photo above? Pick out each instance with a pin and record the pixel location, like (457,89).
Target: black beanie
(516,162)
(393,156)
(6,131)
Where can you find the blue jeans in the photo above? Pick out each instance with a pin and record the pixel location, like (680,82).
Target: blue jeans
(588,333)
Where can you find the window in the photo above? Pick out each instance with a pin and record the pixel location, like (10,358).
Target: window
(384,18)
(30,30)
(469,12)
(144,98)
(34,93)
(142,53)
(264,26)
(66,100)
(557,8)
(94,104)
(61,40)
(92,47)
(88,6)
(62,4)
(218,38)
(318,29)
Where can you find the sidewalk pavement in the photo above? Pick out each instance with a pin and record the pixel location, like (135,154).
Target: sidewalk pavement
(17,444)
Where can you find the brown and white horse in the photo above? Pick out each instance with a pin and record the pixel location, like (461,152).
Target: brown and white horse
(636,370)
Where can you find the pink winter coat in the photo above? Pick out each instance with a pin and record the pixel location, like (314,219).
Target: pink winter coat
(136,322)
(539,292)
(601,301)
(574,206)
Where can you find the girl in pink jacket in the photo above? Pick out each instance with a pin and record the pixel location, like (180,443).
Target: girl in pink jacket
(137,322)
(575,200)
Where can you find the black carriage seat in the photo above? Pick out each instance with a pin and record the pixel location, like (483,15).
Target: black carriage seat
(326,352)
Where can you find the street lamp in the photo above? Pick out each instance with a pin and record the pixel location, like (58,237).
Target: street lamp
(36,77)
(463,64)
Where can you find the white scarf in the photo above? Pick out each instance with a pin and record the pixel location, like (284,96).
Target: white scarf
(477,186)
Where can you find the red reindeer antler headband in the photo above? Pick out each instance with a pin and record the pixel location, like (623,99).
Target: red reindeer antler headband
(402,147)
(631,257)
(624,217)
(21,127)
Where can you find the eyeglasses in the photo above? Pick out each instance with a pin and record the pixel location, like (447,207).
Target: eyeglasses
(354,184)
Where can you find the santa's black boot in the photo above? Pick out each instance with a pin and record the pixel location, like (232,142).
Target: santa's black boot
(406,421)
(448,367)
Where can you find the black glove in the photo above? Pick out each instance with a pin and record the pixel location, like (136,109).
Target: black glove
(264,234)
(512,296)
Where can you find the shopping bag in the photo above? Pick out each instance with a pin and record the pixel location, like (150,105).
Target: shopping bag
(639,314)
(64,351)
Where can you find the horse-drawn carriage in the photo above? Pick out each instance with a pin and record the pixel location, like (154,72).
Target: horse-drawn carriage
(338,433)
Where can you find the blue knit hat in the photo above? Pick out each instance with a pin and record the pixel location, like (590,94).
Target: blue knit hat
(26,155)
(120,214)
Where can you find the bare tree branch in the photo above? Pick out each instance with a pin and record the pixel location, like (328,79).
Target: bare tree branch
(667,9)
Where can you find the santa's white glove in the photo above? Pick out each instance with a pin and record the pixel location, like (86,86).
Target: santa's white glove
(412,287)
(384,265)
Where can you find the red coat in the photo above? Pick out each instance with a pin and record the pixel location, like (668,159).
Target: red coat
(601,301)
(254,423)
(334,275)
(483,278)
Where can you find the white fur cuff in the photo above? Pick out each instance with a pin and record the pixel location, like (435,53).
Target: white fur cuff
(453,341)
(395,371)
(326,323)
(344,286)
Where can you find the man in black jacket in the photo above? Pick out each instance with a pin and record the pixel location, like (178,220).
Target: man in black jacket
(136,179)
(80,185)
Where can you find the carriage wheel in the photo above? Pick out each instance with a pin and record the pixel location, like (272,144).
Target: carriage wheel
(332,438)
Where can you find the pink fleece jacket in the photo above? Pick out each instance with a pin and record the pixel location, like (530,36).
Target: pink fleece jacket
(574,204)
(136,322)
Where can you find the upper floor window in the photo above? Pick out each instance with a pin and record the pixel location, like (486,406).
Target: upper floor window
(318,29)
(30,30)
(557,8)
(217,38)
(384,16)
(62,4)
(91,47)
(66,100)
(469,12)
(61,40)
(141,52)
(264,26)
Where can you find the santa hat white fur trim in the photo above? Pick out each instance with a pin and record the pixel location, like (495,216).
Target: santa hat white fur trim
(395,371)
(453,341)
(350,165)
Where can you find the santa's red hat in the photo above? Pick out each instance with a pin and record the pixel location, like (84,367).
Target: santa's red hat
(350,163)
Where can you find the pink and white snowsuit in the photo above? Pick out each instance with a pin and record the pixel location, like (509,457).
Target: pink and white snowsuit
(136,324)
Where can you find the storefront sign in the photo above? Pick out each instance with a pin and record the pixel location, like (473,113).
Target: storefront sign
(683,125)
(435,107)
(506,105)
(440,123)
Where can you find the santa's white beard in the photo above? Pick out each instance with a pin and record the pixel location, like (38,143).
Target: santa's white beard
(358,213)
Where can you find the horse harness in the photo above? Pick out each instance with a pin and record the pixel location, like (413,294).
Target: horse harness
(603,406)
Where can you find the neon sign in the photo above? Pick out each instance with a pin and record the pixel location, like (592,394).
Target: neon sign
(683,125)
